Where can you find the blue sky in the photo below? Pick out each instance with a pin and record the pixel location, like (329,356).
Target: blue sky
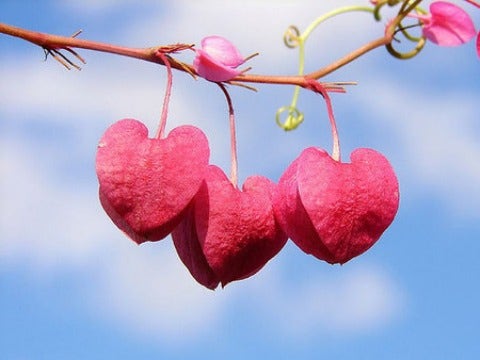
(73,287)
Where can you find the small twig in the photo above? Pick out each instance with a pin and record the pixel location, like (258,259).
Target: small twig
(62,59)
(78,32)
(57,55)
(77,55)
(245,86)
(50,41)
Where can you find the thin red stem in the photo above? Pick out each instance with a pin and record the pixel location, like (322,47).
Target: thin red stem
(336,140)
(166,99)
(384,40)
(320,89)
(233,137)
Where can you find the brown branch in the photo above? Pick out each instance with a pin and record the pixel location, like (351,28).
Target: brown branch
(384,40)
(54,43)
(302,80)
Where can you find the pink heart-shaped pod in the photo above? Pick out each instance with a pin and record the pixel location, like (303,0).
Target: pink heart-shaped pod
(228,234)
(336,211)
(145,184)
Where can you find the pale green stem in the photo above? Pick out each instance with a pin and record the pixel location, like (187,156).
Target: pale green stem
(301,47)
(331,14)
(296,91)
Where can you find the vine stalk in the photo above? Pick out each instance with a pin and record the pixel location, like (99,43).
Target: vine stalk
(56,43)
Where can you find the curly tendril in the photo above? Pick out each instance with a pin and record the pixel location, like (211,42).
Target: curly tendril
(409,54)
(406,7)
(294,118)
(291,37)
(379,4)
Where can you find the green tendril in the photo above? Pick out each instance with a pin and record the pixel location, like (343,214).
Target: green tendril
(294,118)
(390,3)
(293,39)
(379,6)
(406,55)
(331,14)
(408,36)
(404,30)
(407,6)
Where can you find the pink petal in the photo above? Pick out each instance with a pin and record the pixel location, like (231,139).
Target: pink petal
(217,60)
(223,51)
(212,70)
(449,25)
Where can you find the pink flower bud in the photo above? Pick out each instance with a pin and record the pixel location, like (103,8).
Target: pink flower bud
(217,60)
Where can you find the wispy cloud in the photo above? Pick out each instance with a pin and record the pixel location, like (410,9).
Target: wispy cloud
(44,224)
(151,295)
(437,139)
(354,299)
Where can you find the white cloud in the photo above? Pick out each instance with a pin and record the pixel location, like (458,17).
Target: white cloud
(437,134)
(353,299)
(151,295)
(247,24)
(44,222)
(97,6)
